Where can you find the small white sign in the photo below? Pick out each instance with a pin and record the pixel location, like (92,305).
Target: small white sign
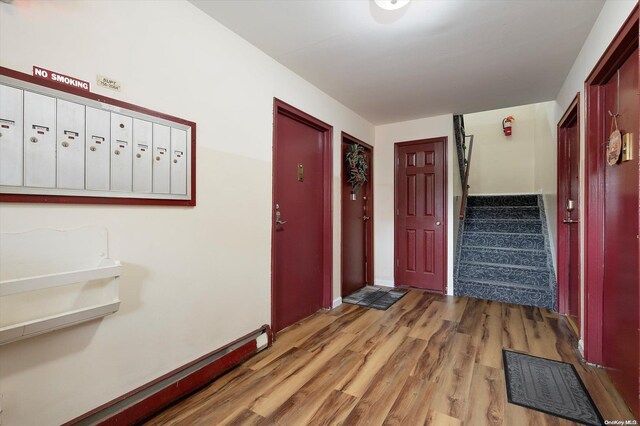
(108,83)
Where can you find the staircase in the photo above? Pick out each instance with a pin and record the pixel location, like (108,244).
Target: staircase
(504,252)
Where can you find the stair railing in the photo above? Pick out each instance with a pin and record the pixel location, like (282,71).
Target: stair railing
(465,184)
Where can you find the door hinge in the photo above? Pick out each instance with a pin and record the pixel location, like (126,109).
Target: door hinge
(397,262)
(397,161)
(397,212)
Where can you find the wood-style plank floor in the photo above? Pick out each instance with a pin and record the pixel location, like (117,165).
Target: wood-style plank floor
(429,359)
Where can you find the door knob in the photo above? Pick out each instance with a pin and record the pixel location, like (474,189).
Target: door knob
(438,223)
(365,218)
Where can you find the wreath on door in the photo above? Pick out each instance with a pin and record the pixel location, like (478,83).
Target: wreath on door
(356,167)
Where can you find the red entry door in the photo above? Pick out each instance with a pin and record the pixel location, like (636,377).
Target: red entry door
(298,219)
(421,226)
(357,228)
(621,280)
(569,214)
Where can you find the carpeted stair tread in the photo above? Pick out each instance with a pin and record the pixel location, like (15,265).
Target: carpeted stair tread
(533,258)
(504,226)
(504,284)
(503,212)
(504,274)
(504,239)
(505,265)
(506,292)
(503,200)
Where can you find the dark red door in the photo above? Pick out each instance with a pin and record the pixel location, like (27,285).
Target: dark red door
(298,219)
(357,227)
(621,281)
(421,226)
(569,208)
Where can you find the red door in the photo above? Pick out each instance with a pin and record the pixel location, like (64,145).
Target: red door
(357,226)
(568,219)
(421,227)
(299,209)
(621,280)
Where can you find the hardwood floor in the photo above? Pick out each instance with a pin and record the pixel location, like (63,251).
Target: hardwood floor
(429,359)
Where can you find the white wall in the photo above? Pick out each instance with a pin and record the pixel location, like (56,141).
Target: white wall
(545,168)
(502,164)
(610,20)
(194,278)
(386,136)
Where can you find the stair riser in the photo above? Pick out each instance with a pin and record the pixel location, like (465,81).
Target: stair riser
(503,213)
(518,296)
(506,275)
(532,242)
(502,227)
(504,200)
(505,257)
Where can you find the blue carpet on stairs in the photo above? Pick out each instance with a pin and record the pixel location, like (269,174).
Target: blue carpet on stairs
(504,251)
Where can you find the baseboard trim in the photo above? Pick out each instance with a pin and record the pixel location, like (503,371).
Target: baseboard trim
(148,399)
(384,283)
(336,302)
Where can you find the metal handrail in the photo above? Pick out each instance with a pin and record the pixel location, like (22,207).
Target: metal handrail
(465,184)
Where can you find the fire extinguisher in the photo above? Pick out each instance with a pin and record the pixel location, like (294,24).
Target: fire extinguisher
(506,125)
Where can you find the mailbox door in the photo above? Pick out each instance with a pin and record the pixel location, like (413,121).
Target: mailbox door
(142,141)
(97,153)
(161,159)
(11,128)
(39,140)
(178,161)
(121,153)
(71,144)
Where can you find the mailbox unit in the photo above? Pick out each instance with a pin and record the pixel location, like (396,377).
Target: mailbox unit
(59,144)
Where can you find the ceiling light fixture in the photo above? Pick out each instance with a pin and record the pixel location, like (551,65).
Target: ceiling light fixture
(391,4)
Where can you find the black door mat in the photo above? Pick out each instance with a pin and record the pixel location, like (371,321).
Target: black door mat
(375,297)
(552,387)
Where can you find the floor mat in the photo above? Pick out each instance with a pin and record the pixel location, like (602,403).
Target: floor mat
(552,387)
(375,297)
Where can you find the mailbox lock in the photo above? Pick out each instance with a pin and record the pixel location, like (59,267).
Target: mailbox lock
(138,155)
(65,144)
(33,139)
(122,125)
(117,152)
(175,161)
(93,148)
(158,158)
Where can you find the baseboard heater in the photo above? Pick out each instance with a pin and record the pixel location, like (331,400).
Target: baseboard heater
(147,400)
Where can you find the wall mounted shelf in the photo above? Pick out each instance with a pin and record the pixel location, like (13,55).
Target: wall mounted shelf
(54,279)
